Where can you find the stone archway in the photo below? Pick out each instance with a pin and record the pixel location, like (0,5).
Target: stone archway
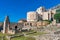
(15,27)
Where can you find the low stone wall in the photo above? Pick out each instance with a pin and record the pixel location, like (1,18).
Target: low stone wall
(30,33)
(42,23)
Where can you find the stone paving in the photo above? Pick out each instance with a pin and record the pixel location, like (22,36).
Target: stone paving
(48,37)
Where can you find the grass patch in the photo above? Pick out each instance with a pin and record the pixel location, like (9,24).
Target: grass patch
(34,33)
(0,38)
(23,38)
(1,34)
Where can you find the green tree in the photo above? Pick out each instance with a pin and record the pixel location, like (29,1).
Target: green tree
(57,17)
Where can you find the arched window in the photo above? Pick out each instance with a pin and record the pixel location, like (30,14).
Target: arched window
(15,27)
(30,24)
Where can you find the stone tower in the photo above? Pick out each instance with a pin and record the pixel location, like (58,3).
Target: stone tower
(6,25)
(32,16)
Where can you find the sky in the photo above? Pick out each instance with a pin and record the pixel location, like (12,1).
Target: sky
(17,9)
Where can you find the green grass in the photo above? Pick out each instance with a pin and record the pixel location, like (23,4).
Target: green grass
(29,37)
(34,33)
(1,34)
(0,38)
(23,38)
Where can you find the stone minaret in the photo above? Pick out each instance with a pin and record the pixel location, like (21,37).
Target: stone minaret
(6,25)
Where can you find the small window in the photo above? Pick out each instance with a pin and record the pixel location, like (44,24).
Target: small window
(27,23)
(30,24)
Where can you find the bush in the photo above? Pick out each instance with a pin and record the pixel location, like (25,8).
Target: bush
(48,21)
(23,38)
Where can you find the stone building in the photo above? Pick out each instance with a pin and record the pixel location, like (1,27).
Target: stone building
(36,24)
(6,26)
(40,10)
(38,18)
(30,24)
(42,23)
(12,27)
(21,23)
(32,16)
(46,14)
(41,14)
(51,14)
(34,19)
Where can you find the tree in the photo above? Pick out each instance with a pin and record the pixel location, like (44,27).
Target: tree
(57,17)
